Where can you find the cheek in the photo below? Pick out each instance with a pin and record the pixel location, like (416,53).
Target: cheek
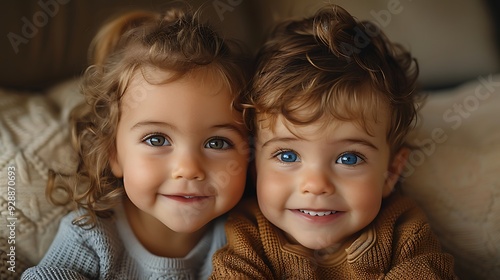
(226,171)
(142,174)
(273,186)
(243,149)
(273,192)
(132,177)
(366,198)
(369,202)
(237,181)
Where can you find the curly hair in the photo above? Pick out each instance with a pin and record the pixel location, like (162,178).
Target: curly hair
(334,66)
(174,41)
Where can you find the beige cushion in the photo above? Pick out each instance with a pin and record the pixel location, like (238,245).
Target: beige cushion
(34,137)
(455,176)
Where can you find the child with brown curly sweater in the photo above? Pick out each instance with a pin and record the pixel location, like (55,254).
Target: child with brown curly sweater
(331,104)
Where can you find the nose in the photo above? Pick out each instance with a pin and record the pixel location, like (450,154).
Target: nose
(316,182)
(188,166)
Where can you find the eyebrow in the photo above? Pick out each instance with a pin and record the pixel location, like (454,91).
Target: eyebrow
(279,139)
(227,126)
(232,127)
(358,141)
(152,123)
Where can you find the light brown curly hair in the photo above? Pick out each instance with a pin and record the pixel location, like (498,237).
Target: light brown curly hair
(175,41)
(335,66)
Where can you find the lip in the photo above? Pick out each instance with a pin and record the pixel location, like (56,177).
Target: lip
(317,219)
(186,198)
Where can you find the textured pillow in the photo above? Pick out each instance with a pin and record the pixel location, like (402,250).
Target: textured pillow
(455,175)
(34,137)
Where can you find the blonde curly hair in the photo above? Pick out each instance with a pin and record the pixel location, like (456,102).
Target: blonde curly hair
(175,41)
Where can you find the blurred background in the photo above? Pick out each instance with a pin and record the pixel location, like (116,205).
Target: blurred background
(46,41)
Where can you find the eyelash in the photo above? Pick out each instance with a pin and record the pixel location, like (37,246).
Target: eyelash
(150,135)
(279,151)
(359,154)
(354,152)
(229,142)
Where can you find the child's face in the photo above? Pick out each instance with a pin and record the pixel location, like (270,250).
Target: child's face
(326,185)
(180,150)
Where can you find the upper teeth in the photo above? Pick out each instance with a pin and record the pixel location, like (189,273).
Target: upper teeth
(188,196)
(314,213)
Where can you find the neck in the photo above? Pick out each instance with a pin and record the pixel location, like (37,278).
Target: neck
(156,237)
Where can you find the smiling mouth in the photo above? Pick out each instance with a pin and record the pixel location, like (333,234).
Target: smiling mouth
(186,198)
(317,213)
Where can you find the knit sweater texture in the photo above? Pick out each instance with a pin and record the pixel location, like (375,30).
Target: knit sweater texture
(398,244)
(110,250)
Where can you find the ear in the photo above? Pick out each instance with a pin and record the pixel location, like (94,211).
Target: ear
(114,163)
(395,168)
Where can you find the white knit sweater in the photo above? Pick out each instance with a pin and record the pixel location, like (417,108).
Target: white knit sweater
(111,251)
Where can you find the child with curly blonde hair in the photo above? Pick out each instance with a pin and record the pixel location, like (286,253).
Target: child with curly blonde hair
(331,104)
(163,152)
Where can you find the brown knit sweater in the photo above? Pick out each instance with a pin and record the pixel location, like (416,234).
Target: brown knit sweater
(398,244)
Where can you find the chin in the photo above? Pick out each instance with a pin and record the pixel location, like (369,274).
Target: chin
(318,244)
(314,245)
(186,227)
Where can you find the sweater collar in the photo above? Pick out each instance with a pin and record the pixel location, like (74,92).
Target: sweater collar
(351,250)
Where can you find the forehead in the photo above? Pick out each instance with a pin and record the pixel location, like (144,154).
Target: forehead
(368,120)
(194,96)
(325,127)
(156,76)
(205,81)
(345,101)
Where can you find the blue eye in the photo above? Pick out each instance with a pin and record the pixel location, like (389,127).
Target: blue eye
(157,141)
(288,156)
(218,144)
(349,159)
